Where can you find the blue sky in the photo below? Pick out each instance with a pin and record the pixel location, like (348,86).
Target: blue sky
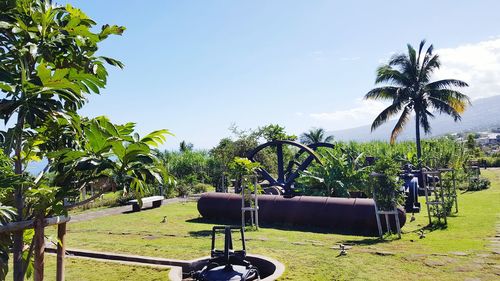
(196,67)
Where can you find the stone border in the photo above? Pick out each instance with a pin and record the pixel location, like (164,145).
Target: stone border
(177,267)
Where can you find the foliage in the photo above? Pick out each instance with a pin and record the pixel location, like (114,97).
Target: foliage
(6,214)
(274,132)
(492,161)
(479,184)
(386,184)
(202,187)
(185,146)
(241,167)
(315,135)
(48,64)
(342,171)
(111,156)
(410,90)
(244,142)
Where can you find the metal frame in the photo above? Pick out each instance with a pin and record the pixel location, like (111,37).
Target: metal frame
(433,186)
(254,211)
(386,213)
(453,192)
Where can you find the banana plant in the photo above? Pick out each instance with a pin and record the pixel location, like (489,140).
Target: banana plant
(112,154)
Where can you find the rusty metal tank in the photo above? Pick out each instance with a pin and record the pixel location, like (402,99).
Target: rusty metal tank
(339,215)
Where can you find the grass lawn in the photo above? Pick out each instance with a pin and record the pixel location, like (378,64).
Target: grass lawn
(89,270)
(458,252)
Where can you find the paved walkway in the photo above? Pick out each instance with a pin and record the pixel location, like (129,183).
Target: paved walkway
(90,215)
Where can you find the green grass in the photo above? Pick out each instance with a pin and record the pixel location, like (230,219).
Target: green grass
(89,270)
(185,236)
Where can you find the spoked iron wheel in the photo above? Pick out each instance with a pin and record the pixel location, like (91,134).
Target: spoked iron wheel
(299,162)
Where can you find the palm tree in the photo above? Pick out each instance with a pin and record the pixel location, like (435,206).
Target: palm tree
(185,146)
(411,91)
(315,135)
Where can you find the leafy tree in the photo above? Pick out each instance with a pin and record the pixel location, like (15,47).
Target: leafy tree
(189,168)
(411,91)
(274,132)
(471,142)
(48,63)
(315,135)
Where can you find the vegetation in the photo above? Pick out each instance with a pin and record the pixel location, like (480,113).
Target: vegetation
(48,66)
(343,170)
(412,91)
(89,270)
(315,135)
(312,254)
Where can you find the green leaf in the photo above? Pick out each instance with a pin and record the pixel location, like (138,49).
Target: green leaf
(6,87)
(156,138)
(5,25)
(111,30)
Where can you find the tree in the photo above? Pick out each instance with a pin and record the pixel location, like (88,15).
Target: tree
(113,156)
(411,91)
(48,64)
(185,146)
(315,135)
(274,132)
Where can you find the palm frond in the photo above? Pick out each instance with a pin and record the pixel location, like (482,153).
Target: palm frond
(429,64)
(383,93)
(387,113)
(424,122)
(444,107)
(405,65)
(446,84)
(454,98)
(420,48)
(403,119)
(388,74)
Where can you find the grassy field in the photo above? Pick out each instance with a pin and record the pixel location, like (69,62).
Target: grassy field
(89,270)
(459,252)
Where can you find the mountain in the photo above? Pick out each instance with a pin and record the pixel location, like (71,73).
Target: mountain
(484,114)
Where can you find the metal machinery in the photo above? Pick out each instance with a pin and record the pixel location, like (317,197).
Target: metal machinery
(283,183)
(281,204)
(227,264)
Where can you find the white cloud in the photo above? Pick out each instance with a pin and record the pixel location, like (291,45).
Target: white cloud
(364,112)
(477,64)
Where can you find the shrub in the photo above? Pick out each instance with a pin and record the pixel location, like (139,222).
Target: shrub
(183,189)
(202,187)
(479,184)
(386,184)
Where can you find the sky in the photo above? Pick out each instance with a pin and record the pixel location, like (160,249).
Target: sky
(197,67)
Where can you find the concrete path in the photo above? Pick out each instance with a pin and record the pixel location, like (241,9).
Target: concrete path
(89,215)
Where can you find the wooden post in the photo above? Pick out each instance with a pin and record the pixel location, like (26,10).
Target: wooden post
(39,248)
(61,251)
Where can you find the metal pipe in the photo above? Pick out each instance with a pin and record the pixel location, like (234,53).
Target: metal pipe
(342,215)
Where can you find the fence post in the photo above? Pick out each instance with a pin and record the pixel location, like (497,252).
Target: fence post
(39,248)
(61,251)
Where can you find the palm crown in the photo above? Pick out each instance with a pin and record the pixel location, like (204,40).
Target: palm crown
(411,91)
(315,135)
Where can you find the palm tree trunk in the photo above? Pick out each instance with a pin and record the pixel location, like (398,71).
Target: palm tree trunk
(417,139)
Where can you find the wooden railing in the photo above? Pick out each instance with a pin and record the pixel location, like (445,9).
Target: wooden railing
(39,242)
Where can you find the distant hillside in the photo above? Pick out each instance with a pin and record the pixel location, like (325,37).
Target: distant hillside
(482,115)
